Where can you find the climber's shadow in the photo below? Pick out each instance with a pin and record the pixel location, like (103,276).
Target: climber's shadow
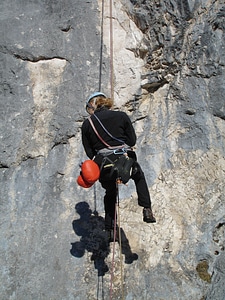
(91,228)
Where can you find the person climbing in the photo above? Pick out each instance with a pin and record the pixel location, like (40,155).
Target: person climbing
(113,128)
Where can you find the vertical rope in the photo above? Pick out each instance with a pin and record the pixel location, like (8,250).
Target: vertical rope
(113,255)
(95,200)
(112,97)
(111,52)
(120,244)
(101,48)
(114,244)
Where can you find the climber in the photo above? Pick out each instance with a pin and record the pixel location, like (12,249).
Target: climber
(113,128)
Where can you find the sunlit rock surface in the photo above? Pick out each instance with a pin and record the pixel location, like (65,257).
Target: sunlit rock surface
(168,75)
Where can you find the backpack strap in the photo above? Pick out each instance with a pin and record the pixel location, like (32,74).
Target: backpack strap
(113,137)
(101,139)
(95,130)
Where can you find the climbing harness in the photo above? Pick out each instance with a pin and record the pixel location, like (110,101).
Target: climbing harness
(122,166)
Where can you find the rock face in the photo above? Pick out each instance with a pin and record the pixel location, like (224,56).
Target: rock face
(169,76)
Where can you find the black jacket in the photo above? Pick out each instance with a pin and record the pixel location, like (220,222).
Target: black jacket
(116,122)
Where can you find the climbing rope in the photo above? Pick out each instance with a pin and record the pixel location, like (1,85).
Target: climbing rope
(111,52)
(95,201)
(117,202)
(117,212)
(101,48)
(113,254)
(111,49)
(120,243)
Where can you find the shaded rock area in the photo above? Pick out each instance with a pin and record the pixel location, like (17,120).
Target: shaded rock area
(169,76)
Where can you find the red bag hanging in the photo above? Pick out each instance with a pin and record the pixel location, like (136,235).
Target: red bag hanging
(90,171)
(82,182)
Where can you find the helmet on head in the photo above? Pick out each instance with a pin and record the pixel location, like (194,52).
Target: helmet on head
(96,94)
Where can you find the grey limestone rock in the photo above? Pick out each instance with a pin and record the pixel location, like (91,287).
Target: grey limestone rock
(168,75)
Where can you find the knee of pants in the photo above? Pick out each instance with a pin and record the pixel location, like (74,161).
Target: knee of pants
(110,192)
(136,171)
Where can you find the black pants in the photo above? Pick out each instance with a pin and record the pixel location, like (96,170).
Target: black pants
(110,187)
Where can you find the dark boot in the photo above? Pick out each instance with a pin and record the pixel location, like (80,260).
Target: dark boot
(148,216)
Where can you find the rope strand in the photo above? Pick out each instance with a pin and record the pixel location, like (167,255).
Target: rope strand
(112,97)
(120,243)
(113,255)
(114,244)
(101,48)
(111,52)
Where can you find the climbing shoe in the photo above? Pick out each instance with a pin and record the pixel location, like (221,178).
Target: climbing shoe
(130,258)
(148,216)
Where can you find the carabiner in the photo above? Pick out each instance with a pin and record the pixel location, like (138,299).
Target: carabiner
(120,151)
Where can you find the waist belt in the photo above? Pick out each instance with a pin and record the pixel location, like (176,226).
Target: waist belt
(117,150)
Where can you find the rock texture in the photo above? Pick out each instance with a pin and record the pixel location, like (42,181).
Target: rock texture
(168,75)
